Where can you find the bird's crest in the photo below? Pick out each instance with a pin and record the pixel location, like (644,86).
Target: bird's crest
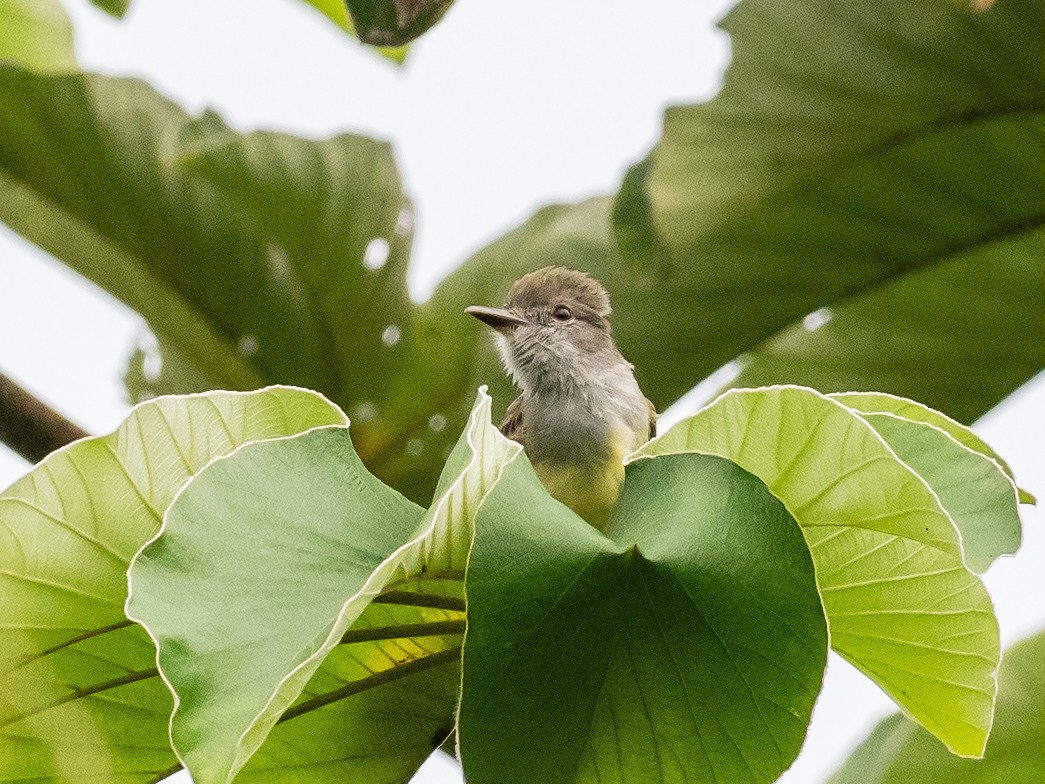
(551,285)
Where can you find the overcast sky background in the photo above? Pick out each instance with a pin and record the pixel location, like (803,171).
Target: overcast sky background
(502,108)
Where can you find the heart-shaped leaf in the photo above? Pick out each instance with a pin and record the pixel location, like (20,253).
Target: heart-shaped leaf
(687,646)
(81,696)
(900,602)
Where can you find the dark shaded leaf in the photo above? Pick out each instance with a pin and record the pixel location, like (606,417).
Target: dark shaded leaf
(689,645)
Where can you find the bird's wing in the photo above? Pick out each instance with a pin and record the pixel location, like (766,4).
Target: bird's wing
(512,424)
(652,418)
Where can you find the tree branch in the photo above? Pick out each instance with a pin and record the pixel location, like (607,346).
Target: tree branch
(30,427)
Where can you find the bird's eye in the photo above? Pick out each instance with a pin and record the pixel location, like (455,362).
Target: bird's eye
(562,313)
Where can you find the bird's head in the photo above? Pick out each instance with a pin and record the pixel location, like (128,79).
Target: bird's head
(553,328)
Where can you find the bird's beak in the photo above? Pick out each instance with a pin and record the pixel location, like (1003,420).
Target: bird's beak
(500,319)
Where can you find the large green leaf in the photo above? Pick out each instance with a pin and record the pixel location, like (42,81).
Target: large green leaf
(329,206)
(687,646)
(255,258)
(274,541)
(37,34)
(880,158)
(259,591)
(899,752)
(900,602)
(80,694)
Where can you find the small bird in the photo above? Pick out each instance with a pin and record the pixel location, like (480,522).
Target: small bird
(580,410)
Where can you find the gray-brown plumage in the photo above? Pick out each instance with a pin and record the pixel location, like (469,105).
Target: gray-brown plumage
(580,410)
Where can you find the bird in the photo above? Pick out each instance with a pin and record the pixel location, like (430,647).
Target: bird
(580,410)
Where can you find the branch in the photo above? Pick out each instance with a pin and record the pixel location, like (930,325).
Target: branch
(30,427)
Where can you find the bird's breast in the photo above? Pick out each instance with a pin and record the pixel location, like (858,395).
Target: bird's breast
(578,455)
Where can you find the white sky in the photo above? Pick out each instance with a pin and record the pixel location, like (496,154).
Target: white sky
(498,111)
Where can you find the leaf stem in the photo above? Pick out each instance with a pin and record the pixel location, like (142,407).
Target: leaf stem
(430,600)
(377,679)
(436,628)
(29,426)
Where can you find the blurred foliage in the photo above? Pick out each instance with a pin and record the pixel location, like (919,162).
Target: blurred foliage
(883,160)
(900,752)
(393,22)
(114,7)
(334,10)
(875,165)
(337,12)
(36,34)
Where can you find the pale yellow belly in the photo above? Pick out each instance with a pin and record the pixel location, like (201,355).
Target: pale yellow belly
(589,490)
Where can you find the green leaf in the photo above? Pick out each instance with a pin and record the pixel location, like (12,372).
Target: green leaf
(899,752)
(881,159)
(334,10)
(881,403)
(321,203)
(254,258)
(978,496)
(327,539)
(900,603)
(319,524)
(688,646)
(36,34)
(81,696)
(116,8)
(394,22)
(337,12)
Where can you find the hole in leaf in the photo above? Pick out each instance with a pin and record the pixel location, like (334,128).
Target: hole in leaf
(404,221)
(152,360)
(376,253)
(248,345)
(364,412)
(390,337)
(813,321)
